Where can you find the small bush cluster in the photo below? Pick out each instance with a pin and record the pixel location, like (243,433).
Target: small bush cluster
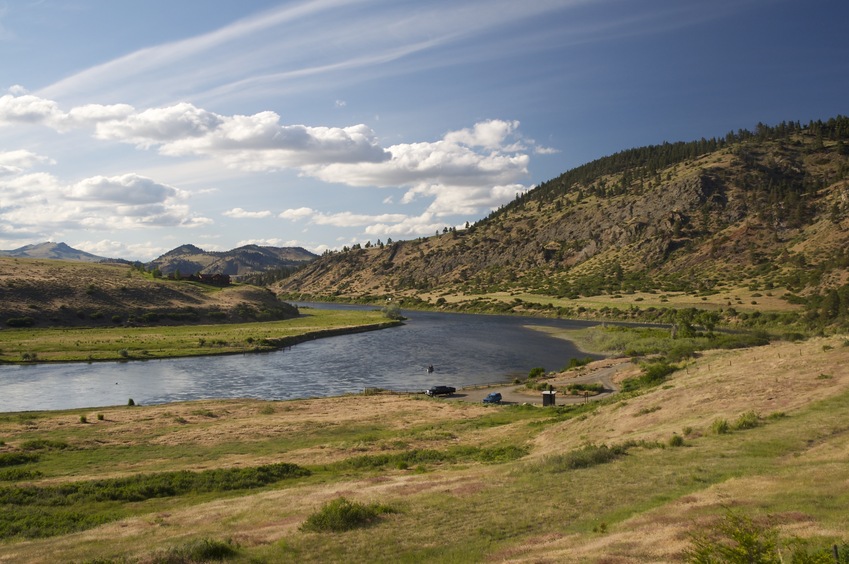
(737,538)
(44,444)
(653,374)
(586,457)
(594,388)
(342,514)
(20,322)
(201,550)
(16,458)
(578,362)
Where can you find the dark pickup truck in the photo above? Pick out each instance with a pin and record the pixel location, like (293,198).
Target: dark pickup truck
(440,391)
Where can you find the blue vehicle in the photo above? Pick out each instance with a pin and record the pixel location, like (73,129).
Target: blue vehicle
(494,397)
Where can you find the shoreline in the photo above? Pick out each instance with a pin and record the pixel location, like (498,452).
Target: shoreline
(62,346)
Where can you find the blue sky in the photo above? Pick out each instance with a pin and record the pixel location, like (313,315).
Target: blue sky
(129,128)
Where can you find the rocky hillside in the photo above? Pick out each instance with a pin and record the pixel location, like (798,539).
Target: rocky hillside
(239,262)
(45,293)
(763,209)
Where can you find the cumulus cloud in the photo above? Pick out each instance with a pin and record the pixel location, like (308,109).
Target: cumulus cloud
(128,189)
(39,201)
(239,213)
(488,134)
(298,213)
(273,242)
(29,109)
(423,224)
(466,172)
(16,162)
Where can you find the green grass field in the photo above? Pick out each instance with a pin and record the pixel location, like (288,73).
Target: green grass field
(125,343)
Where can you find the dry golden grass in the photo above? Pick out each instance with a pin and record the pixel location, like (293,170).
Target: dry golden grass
(783,377)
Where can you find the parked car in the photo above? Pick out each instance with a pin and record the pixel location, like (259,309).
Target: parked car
(440,391)
(494,397)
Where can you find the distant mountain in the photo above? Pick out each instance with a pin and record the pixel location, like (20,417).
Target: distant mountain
(242,261)
(59,251)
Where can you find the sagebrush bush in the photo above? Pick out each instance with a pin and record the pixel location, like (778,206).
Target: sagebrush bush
(748,420)
(201,550)
(585,457)
(720,426)
(342,514)
(736,538)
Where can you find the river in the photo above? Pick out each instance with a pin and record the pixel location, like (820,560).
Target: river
(464,350)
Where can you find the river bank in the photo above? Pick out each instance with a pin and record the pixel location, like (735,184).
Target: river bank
(93,344)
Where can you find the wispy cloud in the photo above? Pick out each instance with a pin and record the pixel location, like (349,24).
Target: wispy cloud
(239,213)
(307,39)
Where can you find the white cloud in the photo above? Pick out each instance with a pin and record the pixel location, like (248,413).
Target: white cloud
(487,134)
(39,201)
(296,214)
(467,171)
(17,162)
(421,225)
(273,242)
(22,159)
(340,219)
(239,213)
(116,249)
(29,109)
(129,189)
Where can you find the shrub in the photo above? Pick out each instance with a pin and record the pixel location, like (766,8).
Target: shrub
(130,402)
(43,444)
(748,420)
(83,419)
(676,440)
(578,362)
(536,372)
(341,514)
(201,550)
(20,322)
(16,459)
(18,474)
(393,311)
(720,426)
(585,457)
(595,388)
(734,539)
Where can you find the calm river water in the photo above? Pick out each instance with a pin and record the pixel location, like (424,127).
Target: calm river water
(464,350)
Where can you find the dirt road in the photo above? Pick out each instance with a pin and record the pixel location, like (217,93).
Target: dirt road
(518,394)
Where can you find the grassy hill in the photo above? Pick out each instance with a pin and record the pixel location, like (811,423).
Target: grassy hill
(717,220)
(45,293)
(737,446)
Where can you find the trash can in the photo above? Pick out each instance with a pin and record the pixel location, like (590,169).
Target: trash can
(548,397)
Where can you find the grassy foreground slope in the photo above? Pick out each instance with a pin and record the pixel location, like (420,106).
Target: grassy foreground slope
(628,479)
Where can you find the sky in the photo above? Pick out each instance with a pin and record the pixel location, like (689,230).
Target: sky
(130,128)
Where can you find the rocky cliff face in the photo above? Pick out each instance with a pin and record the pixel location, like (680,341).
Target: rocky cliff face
(760,209)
